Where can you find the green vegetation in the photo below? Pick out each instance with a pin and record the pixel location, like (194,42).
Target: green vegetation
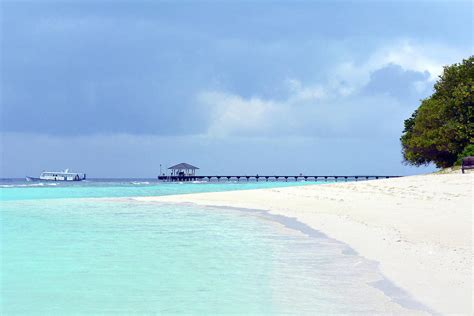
(441,130)
(468,151)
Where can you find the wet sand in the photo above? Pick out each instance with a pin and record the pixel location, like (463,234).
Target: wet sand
(418,228)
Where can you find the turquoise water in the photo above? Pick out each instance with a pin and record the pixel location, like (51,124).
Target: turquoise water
(67,255)
(22,190)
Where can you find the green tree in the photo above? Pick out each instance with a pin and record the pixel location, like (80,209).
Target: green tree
(443,126)
(468,151)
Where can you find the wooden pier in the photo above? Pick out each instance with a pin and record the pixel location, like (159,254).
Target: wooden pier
(186,178)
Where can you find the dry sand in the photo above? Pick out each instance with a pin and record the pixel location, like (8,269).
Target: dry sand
(418,228)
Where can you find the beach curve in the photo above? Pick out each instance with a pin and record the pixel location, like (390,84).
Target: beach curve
(418,228)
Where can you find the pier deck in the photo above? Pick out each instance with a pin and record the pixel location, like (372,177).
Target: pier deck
(268,178)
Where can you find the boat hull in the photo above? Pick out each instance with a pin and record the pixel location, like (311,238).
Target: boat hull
(53,180)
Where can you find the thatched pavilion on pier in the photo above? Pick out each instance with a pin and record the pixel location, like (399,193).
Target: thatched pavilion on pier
(183,169)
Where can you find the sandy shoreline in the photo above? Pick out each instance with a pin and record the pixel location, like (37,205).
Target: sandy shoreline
(418,228)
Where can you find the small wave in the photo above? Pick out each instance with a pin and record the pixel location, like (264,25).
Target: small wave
(21,185)
(41,184)
(140,183)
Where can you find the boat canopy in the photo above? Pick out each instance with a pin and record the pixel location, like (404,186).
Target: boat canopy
(60,173)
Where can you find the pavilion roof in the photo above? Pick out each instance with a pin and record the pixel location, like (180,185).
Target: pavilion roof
(183,165)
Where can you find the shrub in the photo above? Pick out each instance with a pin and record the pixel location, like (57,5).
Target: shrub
(468,151)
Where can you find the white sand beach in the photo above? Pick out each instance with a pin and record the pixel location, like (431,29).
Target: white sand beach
(418,228)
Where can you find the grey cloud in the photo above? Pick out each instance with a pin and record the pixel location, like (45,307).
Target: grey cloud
(408,86)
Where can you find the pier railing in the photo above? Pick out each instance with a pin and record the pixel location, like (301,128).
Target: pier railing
(270,178)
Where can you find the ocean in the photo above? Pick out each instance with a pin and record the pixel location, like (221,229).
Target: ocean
(88,247)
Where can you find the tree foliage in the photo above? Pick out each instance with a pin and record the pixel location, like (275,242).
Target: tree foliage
(443,126)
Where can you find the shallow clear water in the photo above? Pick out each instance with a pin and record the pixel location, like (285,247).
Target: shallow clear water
(116,255)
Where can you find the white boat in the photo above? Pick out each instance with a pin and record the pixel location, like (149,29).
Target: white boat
(59,176)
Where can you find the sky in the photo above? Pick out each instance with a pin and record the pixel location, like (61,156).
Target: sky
(118,88)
